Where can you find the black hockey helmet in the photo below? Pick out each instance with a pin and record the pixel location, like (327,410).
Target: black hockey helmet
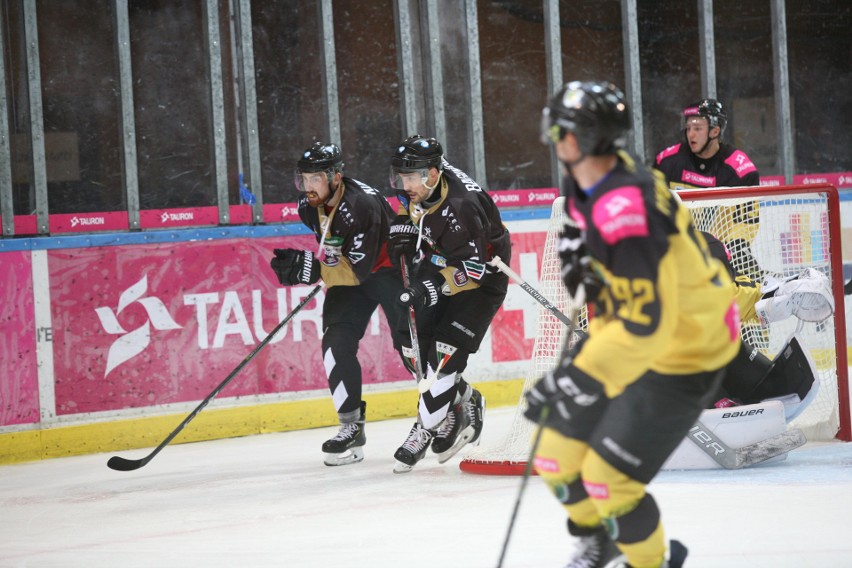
(321,157)
(596,113)
(416,153)
(709,109)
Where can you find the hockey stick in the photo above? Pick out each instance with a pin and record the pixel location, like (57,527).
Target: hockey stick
(579,300)
(499,264)
(123,464)
(412,329)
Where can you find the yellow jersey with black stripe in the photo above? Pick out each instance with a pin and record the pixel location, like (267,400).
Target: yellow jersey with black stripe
(667,305)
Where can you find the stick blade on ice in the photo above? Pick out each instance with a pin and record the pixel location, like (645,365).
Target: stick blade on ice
(774,446)
(121,464)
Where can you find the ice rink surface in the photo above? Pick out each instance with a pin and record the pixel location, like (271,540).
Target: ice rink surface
(269,501)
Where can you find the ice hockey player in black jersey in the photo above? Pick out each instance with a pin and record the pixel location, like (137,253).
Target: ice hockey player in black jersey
(447,228)
(350,220)
(702,159)
(665,326)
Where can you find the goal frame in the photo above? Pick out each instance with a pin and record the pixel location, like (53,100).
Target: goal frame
(500,462)
(844,432)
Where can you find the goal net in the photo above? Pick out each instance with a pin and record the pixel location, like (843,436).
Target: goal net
(778,231)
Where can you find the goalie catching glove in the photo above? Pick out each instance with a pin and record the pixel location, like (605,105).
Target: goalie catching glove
(567,391)
(295,267)
(806,296)
(577,264)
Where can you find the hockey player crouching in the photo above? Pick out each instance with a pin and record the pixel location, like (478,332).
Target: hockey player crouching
(350,221)
(665,327)
(447,228)
(752,377)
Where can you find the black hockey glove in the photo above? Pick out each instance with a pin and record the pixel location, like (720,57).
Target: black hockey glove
(402,239)
(421,294)
(295,267)
(577,264)
(567,391)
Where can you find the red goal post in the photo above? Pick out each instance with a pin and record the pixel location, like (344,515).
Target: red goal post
(769,230)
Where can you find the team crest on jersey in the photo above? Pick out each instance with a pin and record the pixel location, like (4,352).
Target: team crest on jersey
(356,257)
(445,348)
(332,248)
(438,261)
(459,278)
(473,269)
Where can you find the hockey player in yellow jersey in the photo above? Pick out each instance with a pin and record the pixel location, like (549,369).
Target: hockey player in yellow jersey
(665,326)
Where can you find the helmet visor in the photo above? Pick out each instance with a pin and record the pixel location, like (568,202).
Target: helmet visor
(408,179)
(312,181)
(549,129)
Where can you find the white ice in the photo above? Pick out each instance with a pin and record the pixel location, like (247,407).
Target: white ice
(269,501)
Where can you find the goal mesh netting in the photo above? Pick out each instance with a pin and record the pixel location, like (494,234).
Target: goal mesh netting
(778,231)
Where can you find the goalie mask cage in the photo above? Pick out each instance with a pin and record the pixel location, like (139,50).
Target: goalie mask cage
(768,230)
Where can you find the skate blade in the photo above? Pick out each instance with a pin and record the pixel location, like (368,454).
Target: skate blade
(400,467)
(461,441)
(353,455)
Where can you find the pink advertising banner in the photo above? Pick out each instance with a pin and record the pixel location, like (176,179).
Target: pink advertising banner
(144,325)
(153,324)
(18,364)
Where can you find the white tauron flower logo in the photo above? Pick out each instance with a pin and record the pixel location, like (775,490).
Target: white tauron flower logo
(134,342)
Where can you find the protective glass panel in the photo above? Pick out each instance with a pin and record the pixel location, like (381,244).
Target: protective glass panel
(514,85)
(592,41)
(80,96)
(744,78)
(172,104)
(18,109)
(368,90)
(670,68)
(289,78)
(820,54)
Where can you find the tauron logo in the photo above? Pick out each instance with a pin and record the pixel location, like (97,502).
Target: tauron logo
(85,221)
(132,343)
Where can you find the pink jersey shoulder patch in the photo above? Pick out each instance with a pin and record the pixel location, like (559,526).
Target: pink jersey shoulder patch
(670,151)
(621,214)
(741,163)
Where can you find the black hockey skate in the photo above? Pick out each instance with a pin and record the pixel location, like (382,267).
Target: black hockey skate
(413,449)
(594,549)
(453,433)
(475,409)
(347,445)
(677,556)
